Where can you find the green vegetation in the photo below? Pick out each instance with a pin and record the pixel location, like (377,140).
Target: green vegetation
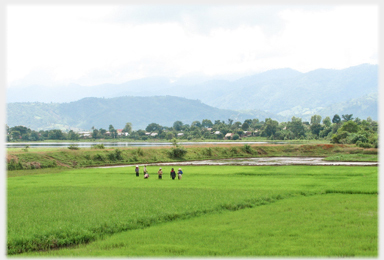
(344,225)
(363,133)
(277,211)
(17,159)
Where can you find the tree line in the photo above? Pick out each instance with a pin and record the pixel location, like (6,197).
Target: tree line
(344,129)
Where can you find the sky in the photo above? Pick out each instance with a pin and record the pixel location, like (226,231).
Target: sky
(53,45)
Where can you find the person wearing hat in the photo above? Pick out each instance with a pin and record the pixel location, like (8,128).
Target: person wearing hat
(180,173)
(137,170)
(160,173)
(173,174)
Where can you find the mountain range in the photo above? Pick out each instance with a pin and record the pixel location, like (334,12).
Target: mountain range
(279,94)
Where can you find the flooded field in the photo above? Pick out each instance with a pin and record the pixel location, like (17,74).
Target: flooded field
(277,161)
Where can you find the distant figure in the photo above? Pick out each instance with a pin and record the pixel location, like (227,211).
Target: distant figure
(180,173)
(173,174)
(137,171)
(146,175)
(160,173)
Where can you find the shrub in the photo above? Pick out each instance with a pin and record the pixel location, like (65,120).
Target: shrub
(364,145)
(233,150)
(98,146)
(208,151)
(98,157)
(177,152)
(247,148)
(115,155)
(13,165)
(340,138)
(73,147)
(140,152)
(235,137)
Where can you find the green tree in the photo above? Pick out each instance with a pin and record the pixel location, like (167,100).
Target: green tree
(56,134)
(16,135)
(128,128)
(153,127)
(336,119)
(327,121)
(95,134)
(177,125)
(350,127)
(316,128)
(112,131)
(248,121)
(269,127)
(217,122)
(235,137)
(102,131)
(245,126)
(315,119)
(169,136)
(35,136)
(22,129)
(207,123)
(72,135)
(235,125)
(347,117)
(196,124)
(296,127)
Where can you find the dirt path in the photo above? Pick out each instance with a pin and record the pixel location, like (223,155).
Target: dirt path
(263,161)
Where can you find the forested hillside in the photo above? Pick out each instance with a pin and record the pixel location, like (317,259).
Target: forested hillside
(277,94)
(101,112)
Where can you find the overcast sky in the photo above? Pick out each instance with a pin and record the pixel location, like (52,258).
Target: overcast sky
(95,44)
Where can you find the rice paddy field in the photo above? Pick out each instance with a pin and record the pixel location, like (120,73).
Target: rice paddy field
(256,211)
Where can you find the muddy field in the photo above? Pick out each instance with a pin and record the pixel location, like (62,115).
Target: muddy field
(264,161)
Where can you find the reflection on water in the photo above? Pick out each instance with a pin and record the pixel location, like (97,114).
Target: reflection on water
(116,144)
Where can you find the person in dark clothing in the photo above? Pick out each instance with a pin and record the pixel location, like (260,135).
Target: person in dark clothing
(173,174)
(137,171)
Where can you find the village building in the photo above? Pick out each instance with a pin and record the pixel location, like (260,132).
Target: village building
(85,134)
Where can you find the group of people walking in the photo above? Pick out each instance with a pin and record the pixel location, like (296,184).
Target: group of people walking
(160,173)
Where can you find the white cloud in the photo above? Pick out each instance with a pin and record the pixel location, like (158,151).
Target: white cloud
(107,44)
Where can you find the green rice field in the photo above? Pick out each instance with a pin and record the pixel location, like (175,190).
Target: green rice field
(232,211)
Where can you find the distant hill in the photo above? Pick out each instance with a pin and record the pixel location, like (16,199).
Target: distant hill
(279,94)
(279,90)
(102,112)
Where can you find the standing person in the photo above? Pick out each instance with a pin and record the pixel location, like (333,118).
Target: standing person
(137,170)
(160,173)
(180,173)
(173,174)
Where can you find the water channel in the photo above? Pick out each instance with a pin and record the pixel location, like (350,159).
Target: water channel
(115,144)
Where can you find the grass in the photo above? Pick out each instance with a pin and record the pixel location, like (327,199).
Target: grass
(353,158)
(320,225)
(80,206)
(89,157)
